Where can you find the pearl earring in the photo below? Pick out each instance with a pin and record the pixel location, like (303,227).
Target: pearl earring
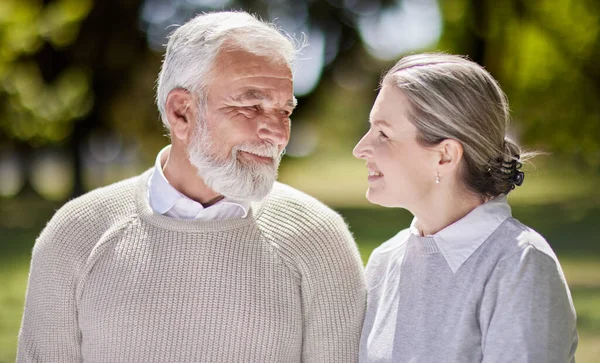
(437,178)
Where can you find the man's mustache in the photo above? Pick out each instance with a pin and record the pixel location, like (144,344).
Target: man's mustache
(266,149)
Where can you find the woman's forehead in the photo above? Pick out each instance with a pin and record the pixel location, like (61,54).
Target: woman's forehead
(391,106)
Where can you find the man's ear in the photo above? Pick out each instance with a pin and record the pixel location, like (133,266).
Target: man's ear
(181,110)
(450,153)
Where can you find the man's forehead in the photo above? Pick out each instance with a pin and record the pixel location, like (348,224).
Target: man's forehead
(242,61)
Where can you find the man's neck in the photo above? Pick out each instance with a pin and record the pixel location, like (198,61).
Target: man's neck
(182,175)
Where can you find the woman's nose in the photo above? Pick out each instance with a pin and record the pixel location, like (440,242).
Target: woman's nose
(363,149)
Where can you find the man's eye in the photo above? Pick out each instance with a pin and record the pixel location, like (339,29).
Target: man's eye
(254,108)
(381,135)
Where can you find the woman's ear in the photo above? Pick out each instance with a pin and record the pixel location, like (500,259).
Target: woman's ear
(450,153)
(181,110)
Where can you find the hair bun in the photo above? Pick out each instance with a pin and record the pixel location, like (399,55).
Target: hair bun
(505,171)
(518,176)
(518,179)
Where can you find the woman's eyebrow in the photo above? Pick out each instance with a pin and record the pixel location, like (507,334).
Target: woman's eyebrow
(381,122)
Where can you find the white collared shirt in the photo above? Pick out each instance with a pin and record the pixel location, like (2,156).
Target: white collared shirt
(458,241)
(168,201)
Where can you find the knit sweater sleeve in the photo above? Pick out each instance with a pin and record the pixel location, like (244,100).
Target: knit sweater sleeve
(527,314)
(49,330)
(319,247)
(333,296)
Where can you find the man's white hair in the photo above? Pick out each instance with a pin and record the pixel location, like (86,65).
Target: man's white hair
(193,47)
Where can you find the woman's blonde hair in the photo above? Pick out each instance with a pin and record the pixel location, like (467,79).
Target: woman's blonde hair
(452,97)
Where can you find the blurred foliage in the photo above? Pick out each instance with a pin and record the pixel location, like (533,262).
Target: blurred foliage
(71,70)
(77,78)
(36,109)
(552,77)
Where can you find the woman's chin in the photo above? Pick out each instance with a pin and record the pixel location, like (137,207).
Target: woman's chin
(379,198)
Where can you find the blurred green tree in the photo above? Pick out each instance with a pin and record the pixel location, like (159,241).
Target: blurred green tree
(70,67)
(61,63)
(544,54)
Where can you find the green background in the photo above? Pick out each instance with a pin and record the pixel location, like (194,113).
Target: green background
(77,111)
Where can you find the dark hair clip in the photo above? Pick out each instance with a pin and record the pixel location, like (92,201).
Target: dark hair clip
(518,178)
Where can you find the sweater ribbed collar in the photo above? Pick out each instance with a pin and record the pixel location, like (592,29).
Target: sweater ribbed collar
(146,213)
(458,241)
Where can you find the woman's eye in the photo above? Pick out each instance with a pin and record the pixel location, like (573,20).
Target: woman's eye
(251,108)
(381,135)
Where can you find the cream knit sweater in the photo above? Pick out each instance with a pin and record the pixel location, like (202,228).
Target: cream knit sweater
(111,281)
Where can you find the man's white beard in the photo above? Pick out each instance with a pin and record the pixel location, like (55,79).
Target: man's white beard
(231,177)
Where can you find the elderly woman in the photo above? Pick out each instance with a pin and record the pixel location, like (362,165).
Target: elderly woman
(466,282)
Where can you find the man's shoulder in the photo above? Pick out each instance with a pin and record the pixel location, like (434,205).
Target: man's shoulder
(290,203)
(290,214)
(88,216)
(111,200)
(304,230)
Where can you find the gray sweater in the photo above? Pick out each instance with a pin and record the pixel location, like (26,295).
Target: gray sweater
(485,289)
(111,281)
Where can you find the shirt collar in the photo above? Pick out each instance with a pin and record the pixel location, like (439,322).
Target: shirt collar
(458,241)
(163,195)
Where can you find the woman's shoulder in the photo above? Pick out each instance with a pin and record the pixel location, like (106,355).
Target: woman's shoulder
(390,251)
(513,238)
(391,245)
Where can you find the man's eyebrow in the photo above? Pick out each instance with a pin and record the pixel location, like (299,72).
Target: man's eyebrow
(292,103)
(252,95)
(257,95)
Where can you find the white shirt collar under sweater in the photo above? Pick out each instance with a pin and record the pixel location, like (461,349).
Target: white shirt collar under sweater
(458,241)
(166,200)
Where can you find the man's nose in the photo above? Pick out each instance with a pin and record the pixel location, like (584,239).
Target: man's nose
(274,129)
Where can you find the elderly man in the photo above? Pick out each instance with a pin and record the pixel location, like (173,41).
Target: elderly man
(203,258)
